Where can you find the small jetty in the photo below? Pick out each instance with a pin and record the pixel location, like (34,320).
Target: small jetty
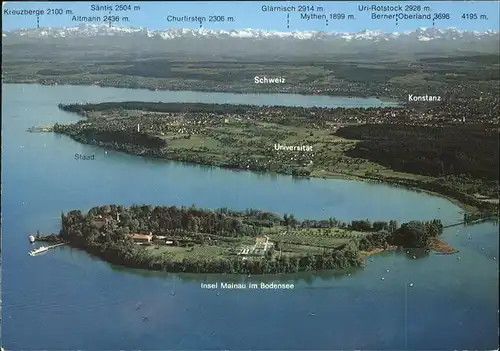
(44,249)
(40,129)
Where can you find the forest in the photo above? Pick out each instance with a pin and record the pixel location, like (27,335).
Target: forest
(171,107)
(104,231)
(461,150)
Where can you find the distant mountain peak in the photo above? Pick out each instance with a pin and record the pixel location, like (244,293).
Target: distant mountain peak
(93,30)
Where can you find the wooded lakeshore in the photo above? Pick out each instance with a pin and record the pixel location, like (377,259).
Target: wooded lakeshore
(190,239)
(390,145)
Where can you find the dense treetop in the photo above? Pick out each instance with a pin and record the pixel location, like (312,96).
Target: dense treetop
(470,150)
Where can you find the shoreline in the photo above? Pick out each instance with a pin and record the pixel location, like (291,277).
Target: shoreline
(339,94)
(409,181)
(378,251)
(340,176)
(436,246)
(191,251)
(439,247)
(343,176)
(154,148)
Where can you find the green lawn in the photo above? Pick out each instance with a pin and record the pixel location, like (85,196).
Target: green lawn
(198,251)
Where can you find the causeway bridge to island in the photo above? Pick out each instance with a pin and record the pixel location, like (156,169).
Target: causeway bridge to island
(466,222)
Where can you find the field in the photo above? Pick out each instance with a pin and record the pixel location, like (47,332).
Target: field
(313,237)
(297,242)
(348,75)
(328,156)
(199,251)
(329,143)
(291,242)
(233,140)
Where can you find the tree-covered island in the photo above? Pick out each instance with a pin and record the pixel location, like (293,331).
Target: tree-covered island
(182,239)
(392,145)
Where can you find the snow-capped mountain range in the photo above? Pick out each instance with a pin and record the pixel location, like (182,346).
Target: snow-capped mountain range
(93,30)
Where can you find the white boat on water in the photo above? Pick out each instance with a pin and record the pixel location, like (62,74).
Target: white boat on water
(39,250)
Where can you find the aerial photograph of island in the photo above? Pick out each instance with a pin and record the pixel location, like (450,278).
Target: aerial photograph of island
(250,175)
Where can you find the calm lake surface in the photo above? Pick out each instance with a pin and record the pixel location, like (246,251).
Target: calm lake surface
(66,300)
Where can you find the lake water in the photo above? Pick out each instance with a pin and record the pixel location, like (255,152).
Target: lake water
(66,300)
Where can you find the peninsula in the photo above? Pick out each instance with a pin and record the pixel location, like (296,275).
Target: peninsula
(224,241)
(392,145)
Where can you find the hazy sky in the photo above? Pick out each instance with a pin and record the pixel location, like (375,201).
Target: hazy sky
(153,15)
